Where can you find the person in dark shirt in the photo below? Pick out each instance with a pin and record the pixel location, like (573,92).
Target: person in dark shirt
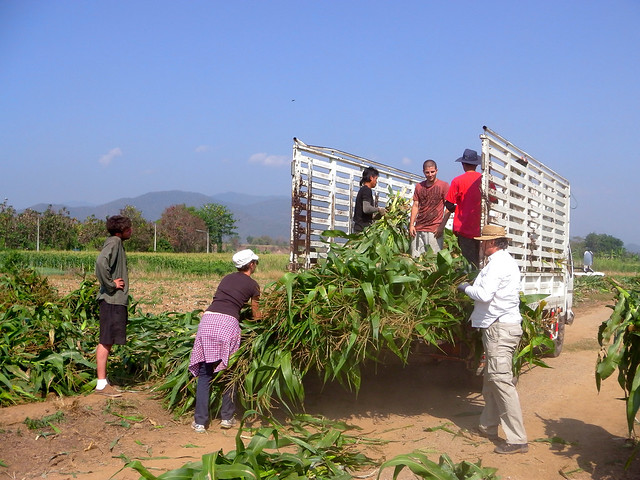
(218,336)
(366,206)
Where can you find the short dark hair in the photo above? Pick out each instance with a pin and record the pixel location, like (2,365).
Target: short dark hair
(368,174)
(501,243)
(429,163)
(118,224)
(246,266)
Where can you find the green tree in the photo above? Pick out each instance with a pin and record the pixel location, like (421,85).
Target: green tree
(26,223)
(603,243)
(219,222)
(58,229)
(7,224)
(92,232)
(142,238)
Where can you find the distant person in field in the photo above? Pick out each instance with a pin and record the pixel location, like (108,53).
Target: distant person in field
(496,313)
(427,211)
(587,261)
(366,207)
(113,297)
(464,200)
(219,337)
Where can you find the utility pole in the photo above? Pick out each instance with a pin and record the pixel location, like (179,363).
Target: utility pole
(206,232)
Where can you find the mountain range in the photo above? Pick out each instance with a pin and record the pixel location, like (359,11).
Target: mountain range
(255,215)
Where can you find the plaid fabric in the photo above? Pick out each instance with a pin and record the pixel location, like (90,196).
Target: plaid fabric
(218,337)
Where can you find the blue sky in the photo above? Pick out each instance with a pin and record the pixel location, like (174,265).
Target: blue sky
(108,99)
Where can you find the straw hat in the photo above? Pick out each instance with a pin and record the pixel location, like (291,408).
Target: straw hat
(491,232)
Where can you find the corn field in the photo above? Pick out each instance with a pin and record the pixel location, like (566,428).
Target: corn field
(619,339)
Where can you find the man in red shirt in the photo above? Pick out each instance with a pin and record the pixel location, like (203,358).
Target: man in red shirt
(465,199)
(427,211)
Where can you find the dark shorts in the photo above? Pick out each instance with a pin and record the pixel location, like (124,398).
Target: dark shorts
(113,324)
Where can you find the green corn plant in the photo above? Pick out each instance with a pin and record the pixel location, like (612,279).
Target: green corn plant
(445,469)
(619,339)
(369,297)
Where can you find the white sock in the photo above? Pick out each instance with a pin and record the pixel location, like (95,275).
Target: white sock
(102,382)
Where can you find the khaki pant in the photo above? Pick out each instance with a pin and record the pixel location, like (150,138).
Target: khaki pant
(502,404)
(422,240)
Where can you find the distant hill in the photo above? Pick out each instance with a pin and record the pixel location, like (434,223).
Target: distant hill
(255,215)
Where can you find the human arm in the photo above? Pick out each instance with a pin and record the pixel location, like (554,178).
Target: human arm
(443,223)
(255,308)
(486,285)
(412,218)
(367,207)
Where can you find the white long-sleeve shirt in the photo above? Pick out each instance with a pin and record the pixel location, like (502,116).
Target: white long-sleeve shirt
(496,292)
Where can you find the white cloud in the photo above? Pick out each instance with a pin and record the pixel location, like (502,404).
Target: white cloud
(269,160)
(108,158)
(202,148)
(406,161)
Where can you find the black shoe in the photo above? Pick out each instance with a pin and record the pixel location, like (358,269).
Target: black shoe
(509,448)
(482,432)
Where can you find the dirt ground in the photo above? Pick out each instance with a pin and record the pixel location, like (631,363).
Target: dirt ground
(400,405)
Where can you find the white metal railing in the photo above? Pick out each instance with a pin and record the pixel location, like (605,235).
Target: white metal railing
(324,186)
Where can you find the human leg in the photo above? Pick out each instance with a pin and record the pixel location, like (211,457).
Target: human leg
(228,404)
(418,245)
(102,354)
(205,375)
(490,416)
(470,250)
(433,242)
(502,401)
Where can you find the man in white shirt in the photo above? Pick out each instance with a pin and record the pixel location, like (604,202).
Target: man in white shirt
(496,295)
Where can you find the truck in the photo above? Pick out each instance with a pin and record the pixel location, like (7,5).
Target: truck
(525,196)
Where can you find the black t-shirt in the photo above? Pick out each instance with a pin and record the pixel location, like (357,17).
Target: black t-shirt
(362,220)
(233,292)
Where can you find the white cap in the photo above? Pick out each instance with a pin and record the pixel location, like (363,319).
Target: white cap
(241,258)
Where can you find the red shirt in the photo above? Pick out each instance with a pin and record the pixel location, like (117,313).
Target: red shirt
(466,194)
(430,200)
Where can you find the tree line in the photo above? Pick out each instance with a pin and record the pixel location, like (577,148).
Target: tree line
(601,244)
(179,229)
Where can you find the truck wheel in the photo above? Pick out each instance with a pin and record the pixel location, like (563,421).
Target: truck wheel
(559,341)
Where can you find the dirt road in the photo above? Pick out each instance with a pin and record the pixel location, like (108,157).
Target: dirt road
(395,404)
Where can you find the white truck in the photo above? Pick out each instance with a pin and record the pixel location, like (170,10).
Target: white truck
(519,192)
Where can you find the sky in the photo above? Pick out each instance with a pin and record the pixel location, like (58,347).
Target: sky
(103,100)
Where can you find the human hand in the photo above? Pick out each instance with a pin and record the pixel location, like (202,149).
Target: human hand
(119,283)
(462,287)
(412,230)
(382,210)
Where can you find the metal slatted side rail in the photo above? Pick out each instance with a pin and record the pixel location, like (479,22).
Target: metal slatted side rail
(324,186)
(531,201)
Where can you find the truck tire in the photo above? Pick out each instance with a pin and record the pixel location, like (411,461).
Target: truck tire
(558,343)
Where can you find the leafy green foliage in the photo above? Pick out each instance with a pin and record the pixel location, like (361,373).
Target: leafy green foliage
(219,220)
(368,298)
(179,263)
(309,448)
(619,337)
(47,344)
(445,469)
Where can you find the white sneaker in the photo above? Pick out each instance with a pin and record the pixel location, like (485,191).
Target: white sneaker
(228,423)
(198,428)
